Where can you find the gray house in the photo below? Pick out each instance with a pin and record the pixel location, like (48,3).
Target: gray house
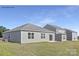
(29,33)
(71,35)
(60,33)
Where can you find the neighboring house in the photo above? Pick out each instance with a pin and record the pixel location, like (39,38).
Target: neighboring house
(60,33)
(71,35)
(29,33)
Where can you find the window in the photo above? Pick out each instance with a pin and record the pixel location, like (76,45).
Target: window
(42,36)
(30,35)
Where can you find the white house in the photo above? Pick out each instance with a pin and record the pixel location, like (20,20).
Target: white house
(60,33)
(29,33)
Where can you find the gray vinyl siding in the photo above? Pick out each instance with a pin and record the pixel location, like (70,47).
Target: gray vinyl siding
(74,37)
(71,36)
(37,37)
(22,36)
(64,37)
(60,31)
(13,36)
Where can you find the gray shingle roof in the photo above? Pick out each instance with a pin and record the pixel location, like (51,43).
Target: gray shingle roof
(30,27)
(70,30)
(50,26)
(56,29)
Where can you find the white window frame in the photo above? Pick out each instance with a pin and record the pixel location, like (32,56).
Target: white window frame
(30,35)
(42,35)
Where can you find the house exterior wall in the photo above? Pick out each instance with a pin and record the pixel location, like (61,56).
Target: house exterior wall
(59,33)
(74,36)
(22,37)
(13,36)
(71,36)
(58,37)
(64,37)
(37,37)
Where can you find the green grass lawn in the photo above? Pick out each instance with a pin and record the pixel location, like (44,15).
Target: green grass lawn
(68,48)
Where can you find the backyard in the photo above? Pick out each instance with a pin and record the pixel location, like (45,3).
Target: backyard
(67,48)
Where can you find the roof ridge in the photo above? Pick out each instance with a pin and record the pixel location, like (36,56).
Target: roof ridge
(56,26)
(31,27)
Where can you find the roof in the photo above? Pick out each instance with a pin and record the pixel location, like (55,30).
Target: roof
(30,27)
(71,30)
(55,26)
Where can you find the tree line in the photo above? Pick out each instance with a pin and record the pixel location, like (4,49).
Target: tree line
(2,29)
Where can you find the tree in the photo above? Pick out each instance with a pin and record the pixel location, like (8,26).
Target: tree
(2,29)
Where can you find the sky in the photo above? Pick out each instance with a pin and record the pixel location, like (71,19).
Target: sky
(64,16)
